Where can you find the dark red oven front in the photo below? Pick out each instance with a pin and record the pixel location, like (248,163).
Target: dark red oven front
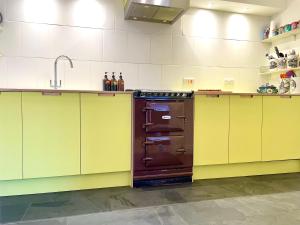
(163,138)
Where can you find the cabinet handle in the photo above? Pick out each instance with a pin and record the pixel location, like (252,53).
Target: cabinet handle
(246,96)
(213,96)
(107,94)
(181,150)
(45,93)
(147,159)
(286,96)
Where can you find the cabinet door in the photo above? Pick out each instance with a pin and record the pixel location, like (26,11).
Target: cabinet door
(281,128)
(245,129)
(105,133)
(10,136)
(51,134)
(211,130)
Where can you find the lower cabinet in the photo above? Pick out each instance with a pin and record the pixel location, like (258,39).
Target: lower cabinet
(51,134)
(10,136)
(245,129)
(281,128)
(211,129)
(105,133)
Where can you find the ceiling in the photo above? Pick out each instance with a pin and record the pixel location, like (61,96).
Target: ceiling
(256,7)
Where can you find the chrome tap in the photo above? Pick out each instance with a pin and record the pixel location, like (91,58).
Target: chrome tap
(55,84)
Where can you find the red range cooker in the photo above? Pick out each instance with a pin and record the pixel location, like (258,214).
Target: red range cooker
(163,138)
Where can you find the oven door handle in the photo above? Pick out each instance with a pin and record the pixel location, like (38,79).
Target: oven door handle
(180,117)
(147,159)
(147,109)
(181,150)
(147,124)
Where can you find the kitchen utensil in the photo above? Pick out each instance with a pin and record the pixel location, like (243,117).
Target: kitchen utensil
(288,28)
(282,63)
(281,30)
(295,25)
(295,86)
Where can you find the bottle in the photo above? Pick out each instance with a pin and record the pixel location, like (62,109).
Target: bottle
(121,83)
(114,83)
(106,83)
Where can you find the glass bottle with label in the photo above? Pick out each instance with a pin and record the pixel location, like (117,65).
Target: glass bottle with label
(120,83)
(106,82)
(114,83)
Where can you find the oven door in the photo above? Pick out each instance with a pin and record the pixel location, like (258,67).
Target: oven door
(164,116)
(164,152)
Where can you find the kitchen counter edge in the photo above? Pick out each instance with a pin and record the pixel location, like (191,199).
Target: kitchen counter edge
(242,94)
(66,91)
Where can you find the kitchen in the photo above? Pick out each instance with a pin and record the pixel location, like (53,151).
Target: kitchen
(110,115)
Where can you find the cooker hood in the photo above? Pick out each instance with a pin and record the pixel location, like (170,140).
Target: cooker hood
(158,11)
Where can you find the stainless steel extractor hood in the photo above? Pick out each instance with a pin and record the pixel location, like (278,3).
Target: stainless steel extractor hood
(158,11)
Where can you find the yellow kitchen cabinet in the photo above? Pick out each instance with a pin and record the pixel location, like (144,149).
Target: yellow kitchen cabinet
(10,136)
(51,134)
(245,129)
(105,133)
(211,129)
(281,128)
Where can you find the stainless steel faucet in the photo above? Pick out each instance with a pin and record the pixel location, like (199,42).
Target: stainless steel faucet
(55,84)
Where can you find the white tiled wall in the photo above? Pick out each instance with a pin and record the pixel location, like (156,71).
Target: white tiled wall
(209,46)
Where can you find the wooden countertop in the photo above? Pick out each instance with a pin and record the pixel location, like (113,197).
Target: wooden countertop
(209,93)
(65,91)
(213,93)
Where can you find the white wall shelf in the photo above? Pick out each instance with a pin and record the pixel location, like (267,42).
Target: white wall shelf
(280,71)
(292,33)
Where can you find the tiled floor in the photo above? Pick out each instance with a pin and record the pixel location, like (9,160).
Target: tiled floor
(260,200)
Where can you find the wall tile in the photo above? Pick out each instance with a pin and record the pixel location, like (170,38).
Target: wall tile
(28,73)
(79,77)
(203,23)
(138,48)
(161,49)
(130,74)
(3,73)
(210,52)
(36,40)
(223,25)
(243,54)
(10,39)
(78,43)
(115,46)
(248,80)
(172,77)
(184,51)
(82,13)
(150,76)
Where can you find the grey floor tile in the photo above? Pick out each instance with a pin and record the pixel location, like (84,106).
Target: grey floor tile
(60,207)
(146,216)
(12,213)
(62,221)
(206,212)
(168,216)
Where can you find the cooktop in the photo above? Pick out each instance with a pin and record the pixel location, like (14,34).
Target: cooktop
(162,94)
